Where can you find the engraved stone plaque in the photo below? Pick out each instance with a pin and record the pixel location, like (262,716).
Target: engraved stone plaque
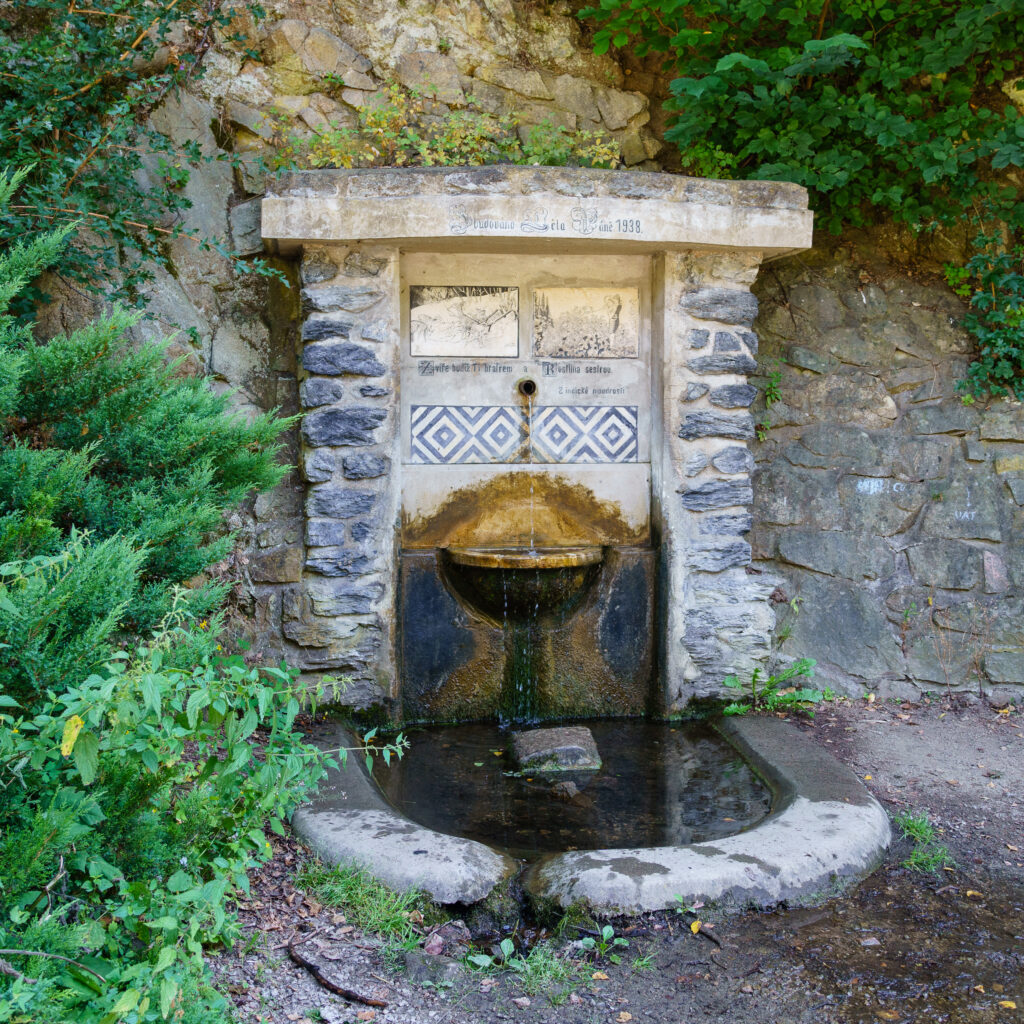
(464,320)
(586,323)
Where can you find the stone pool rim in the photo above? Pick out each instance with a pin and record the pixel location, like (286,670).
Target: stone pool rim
(824,831)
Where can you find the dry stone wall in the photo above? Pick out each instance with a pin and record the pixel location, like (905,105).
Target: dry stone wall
(892,509)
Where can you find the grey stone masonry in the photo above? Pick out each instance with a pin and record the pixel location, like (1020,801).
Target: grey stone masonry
(719,618)
(341,620)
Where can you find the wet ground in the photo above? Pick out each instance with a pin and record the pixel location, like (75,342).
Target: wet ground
(904,947)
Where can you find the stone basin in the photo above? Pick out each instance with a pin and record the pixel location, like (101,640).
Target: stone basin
(519,584)
(526,558)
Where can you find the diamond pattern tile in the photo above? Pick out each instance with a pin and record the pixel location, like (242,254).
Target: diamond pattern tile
(447,434)
(585,433)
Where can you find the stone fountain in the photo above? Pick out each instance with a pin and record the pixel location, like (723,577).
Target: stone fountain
(524,441)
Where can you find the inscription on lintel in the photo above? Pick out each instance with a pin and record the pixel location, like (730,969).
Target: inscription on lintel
(584,219)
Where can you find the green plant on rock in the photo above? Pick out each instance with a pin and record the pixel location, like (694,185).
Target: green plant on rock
(767,692)
(78,84)
(398,128)
(993,283)
(880,108)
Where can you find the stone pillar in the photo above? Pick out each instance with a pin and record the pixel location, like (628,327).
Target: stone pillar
(717,617)
(342,617)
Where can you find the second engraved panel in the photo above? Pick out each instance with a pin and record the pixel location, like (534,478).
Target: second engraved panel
(586,323)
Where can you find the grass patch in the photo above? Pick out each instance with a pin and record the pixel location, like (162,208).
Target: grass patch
(542,969)
(915,826)
(367,903)
(928,855)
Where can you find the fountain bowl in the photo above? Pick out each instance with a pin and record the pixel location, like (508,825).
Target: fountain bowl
(518,585)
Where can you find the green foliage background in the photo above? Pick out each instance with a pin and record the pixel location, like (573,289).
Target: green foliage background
(76,84)
(881,108)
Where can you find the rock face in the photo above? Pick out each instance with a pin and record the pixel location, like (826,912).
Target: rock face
(569,748)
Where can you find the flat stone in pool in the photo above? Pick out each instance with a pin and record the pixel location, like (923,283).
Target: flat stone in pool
(568,748)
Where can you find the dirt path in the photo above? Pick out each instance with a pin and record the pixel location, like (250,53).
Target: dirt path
(902,947)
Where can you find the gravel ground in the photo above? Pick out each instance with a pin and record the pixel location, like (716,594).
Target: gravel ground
(903,946)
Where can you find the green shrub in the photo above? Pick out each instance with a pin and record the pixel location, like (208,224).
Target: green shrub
(880,108)
(133,805)
(115,475)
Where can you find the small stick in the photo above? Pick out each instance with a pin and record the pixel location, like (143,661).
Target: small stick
(321,978)
(708,934)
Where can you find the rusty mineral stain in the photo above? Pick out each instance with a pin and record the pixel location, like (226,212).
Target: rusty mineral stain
(522,509)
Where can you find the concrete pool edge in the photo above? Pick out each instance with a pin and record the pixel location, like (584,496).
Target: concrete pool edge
(350,822)
(825,829)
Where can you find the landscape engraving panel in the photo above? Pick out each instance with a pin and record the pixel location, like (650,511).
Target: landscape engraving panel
(586,323)
(464,320)
(449,434)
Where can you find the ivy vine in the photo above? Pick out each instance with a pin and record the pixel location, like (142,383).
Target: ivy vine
(77,80)
(880,108)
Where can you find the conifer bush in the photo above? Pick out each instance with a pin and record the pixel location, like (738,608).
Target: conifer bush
(115,474)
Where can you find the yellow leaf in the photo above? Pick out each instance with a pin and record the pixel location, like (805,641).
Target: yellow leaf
(1007,1004)
(624,1017)
(867,778)
(695,927)
(1002,711)
(599,976)
(979,988)
(72,727)
(888,1015)
(973,892)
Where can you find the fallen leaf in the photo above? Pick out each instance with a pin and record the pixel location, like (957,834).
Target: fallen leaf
(575,999)
(695,927)
(867,778)
(1010,846)
(979,988)
(522,1002)
(1002,711)
(1007,1004)
(888,1015)
(599,976)
(870,942)
(624,1017)
(996,987)
(973,892)
(747,989)
(366,1014)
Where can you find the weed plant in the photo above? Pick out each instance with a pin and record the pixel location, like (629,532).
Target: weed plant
(928,855)
(768,694)
(396,128)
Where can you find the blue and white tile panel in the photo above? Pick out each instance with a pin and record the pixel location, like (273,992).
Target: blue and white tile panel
(447,434)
